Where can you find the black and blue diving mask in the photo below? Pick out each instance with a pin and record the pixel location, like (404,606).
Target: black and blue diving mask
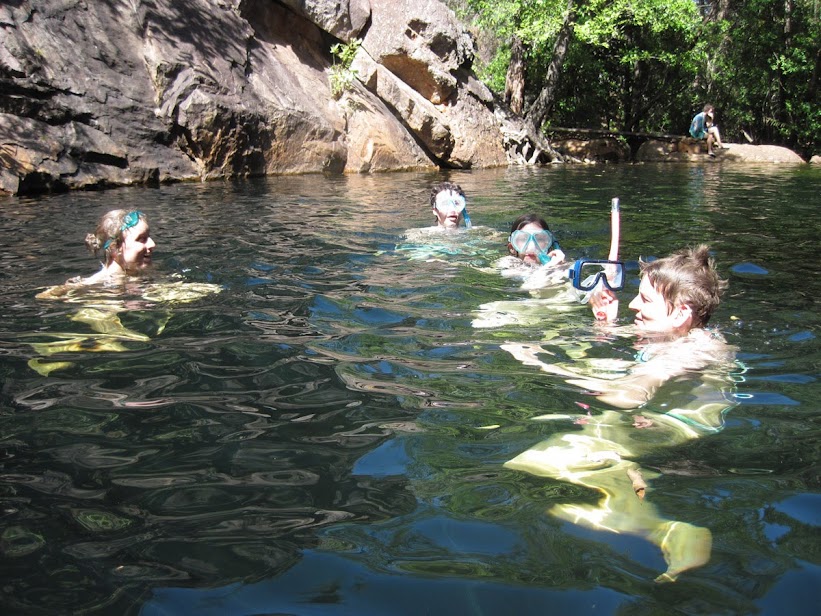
(586,274)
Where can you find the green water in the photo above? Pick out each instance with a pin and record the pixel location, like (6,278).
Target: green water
(326,435)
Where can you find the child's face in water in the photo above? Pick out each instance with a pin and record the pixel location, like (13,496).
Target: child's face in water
(530,255)
(448,209)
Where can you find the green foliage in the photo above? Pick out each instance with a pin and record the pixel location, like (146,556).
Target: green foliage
(765,82)
(342,75)
(650,65)
(493,73)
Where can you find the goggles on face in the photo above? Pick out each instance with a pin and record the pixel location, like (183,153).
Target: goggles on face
(542,240)
(446,202)
(587,273)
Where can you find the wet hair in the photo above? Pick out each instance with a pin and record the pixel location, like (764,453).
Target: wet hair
(109,233)
(442,187)
(687,277)
(526,219)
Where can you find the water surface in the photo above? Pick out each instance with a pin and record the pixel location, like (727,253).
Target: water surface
(326,435)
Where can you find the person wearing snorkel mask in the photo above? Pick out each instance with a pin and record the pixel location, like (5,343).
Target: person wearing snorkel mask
(675,300)
(447,240)
(532,242)
(534,254)
(449,205)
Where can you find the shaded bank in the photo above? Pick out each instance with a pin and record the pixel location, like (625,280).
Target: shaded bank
(161,91)
(164,91)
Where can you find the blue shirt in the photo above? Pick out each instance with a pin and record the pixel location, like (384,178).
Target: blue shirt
(697,130)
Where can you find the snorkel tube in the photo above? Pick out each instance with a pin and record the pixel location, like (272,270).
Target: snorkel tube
(606,305)
(609,311)
(468,224)
(615,229)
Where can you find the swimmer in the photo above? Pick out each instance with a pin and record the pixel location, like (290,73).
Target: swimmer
(676,298)
(448,241)
(536,259)
(123,237)
(449,205)
(124,240)
(532,243)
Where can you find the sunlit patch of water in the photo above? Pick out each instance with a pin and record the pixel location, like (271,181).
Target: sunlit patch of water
(327,433)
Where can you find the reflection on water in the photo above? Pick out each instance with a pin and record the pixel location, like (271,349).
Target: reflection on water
(327,434)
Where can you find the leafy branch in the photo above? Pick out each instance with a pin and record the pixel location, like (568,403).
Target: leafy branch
(342,75)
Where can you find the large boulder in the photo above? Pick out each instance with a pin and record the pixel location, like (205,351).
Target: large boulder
(422,43)
(344,19)
(161,90)
(686,150)
(600,149)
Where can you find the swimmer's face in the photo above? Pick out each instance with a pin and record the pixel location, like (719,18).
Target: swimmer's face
(655,316)
(530,256)
(136,248)
(447,215)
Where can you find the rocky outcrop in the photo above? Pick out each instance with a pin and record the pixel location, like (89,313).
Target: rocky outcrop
(601,149)
(97,93)
(688,150)
(120,92)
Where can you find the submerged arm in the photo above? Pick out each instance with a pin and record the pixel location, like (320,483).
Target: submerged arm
(627,392)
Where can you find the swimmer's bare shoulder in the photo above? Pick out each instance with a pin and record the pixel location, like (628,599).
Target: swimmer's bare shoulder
(62,290)
(698,349)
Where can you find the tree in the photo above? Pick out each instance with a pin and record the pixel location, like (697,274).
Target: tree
(537,114)
(648,65)
(515,78)
(630,40)
(766,82)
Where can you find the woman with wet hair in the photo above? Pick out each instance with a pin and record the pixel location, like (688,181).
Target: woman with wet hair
(123,237)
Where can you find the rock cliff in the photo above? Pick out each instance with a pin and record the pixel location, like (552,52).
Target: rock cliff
(112,92)
(97,93)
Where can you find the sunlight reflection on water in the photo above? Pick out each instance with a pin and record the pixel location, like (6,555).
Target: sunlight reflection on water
(326,434)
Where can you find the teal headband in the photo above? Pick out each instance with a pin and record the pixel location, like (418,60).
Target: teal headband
(132,219)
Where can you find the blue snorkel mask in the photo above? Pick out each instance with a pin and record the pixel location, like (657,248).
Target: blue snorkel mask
(132,219)
(543,242)
(446,201)
(586,274)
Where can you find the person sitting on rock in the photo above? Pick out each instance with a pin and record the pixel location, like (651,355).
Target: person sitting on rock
(703,127)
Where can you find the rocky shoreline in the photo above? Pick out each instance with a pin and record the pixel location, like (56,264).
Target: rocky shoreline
(139,93)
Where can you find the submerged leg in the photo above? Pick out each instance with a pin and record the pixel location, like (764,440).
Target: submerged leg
(600,464)
(684,547)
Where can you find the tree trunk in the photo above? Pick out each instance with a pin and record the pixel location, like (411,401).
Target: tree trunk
(541,107)
(515,79)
